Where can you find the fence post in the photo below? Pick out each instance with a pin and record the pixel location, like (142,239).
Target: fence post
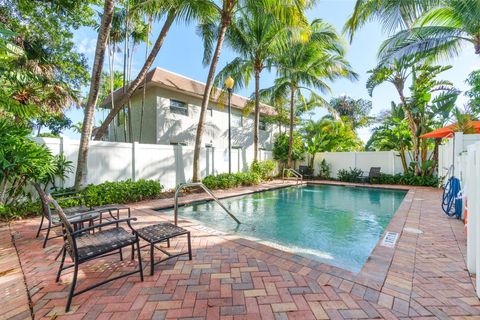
(457,149)
(392,156)
(470,188)
(134,165)
(60,152)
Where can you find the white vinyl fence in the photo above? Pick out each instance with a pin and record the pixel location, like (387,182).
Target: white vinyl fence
(468,168)
(171,165)
(388,161)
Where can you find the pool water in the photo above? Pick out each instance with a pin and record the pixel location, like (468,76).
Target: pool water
(337,225)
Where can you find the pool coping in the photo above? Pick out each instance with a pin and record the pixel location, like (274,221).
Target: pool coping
(373,273)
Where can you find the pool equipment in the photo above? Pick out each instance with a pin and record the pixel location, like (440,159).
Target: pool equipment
(451,201)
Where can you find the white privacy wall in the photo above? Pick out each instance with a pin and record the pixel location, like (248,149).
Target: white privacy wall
(388,161)
(171,165)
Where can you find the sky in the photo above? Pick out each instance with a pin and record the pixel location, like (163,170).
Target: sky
(183,50)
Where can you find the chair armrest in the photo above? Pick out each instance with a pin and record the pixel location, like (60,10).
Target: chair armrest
(101,225)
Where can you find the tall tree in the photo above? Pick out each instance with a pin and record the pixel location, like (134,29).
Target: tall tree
(355,111)
(172,10)
(103,32)
(255,36)
(304,67)
(391,14)
(440,32)
(289,11)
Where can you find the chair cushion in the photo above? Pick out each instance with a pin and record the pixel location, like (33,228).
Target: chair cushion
(159,232)
(101,242)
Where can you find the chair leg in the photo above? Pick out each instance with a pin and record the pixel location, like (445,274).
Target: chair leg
(121,254)
(133,252)
(189,246)
(40,227)
(64,253)
(168,243)
(140,261)
(72,287)
(152,264)
(48,233)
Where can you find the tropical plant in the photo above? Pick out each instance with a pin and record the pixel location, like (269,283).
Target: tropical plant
(21,161)
(255,36)
(303,67)
(62,167)
(473,93)
(441,31)
(391,14)
(266,169)
(329,135)
(350,175)
(354,111)
(281,147)
(324,170)
(89,109)
(393,133)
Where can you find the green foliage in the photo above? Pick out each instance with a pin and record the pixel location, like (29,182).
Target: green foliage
(324,170)
(351,175)
(265,169)
(280,147)
(232,180)
(473,93)
(354,111)
(62,167)
(409,179)
(56,123)
(122,191)
(21,160)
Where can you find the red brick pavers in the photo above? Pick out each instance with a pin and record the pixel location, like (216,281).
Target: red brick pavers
(234,278)
(13,295)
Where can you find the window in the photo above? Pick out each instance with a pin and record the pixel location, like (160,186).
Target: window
(178,107)
(262,125)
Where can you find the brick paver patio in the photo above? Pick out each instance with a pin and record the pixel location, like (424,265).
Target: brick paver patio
(233,278)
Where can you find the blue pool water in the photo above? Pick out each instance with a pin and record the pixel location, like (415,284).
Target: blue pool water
(337,225)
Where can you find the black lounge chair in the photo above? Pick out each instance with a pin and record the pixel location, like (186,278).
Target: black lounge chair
(83,246)
(77,215)
(374,173)
(305,171)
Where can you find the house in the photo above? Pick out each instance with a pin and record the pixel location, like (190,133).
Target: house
(171,112)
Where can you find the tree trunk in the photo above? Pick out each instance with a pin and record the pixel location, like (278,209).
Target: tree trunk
(257,115)
(150,20)
(206,97)
(104,31)
(290,138)
(140,77)
(404,160)
(312,160)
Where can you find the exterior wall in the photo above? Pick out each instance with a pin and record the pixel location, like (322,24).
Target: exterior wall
(164,127)
(388,161)
(171,165)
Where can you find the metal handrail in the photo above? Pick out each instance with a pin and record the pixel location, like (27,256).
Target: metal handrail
(297,174)
(198,184)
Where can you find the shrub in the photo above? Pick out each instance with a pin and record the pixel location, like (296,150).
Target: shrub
(351,175)
(266,169)
(232,180)
(409,179)
(324,170)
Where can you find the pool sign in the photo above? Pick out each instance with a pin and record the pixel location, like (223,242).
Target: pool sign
(390,239)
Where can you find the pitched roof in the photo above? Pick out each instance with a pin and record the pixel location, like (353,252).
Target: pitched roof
(170,80)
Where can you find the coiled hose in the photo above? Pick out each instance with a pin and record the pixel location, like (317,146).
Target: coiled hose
(451,203)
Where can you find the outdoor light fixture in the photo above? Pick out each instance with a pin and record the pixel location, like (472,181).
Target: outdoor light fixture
(229,82)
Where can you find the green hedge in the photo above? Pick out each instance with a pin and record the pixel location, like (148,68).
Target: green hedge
(411,180)
(232,180)
(105,193)
(266,169)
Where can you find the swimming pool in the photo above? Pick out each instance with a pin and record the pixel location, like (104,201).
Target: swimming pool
(338,225)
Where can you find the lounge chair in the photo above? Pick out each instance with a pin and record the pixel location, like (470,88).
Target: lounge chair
(306,171)
(83,246)
(78,215)
(374,173)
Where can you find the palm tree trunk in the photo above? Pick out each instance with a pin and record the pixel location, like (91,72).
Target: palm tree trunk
(142,111)
(206,98)
(257,115)
(104,31)
(404,160)
(141,75)
(290,138)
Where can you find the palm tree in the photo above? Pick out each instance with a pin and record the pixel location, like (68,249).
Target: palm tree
(183,10)
(104,30)
(391,14)
(441,31)
(255,36)
(303,67)
(290,11)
